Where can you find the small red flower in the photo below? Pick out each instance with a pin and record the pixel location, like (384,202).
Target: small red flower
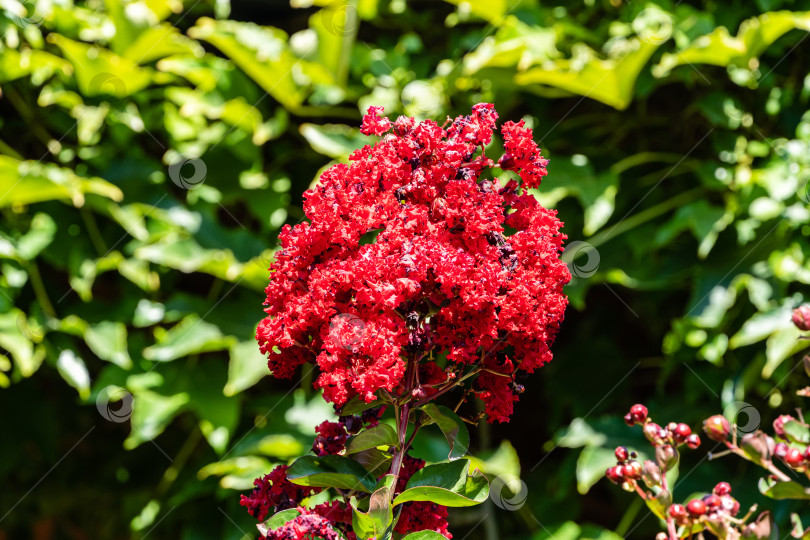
(274,492)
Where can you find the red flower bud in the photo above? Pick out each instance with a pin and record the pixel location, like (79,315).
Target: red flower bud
(717,428)
(614,474)
(681,432)
(801,317)
(712,501)
(696,507)
(794,457)
(693,441)
(780,450)
(666,456)
(779,425)
(651,430)
(633,470)
(621,453)
(628,419)
(677,511)
(722,488)
(639,413)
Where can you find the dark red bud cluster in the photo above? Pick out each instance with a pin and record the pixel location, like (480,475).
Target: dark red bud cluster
(637,415)
(626,471)
(794,457)
(717,505)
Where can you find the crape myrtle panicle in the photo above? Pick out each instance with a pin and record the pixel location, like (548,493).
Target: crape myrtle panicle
(414,250)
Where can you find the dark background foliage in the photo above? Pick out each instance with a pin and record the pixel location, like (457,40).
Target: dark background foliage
(150,151)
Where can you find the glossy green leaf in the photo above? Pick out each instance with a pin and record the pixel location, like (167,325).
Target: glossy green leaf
(447,484)
(73,369)
(330,471)
(453,427)
(356,405)
(783,490)
(333,140)
(278,519)
(797,432)
(379,435)
(378,521)
(151,414)
(374,460)
(108,341)
(424,535)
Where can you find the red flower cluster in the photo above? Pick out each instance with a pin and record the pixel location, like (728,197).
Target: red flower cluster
(274,492)
(407,251)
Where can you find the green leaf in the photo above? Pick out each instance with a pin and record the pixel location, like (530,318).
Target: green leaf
(425,535)
(610,81)
(17,339)
(797,432)
(374,460)
(356,405)
(334,140)
(330,471)
(74,371)
(263,54)
(783,490)
(192,335)
(379,435)
(246,367)
(278,520)
(27,182)
(378,521)
(453,427)
(720,48)
(100,71)
(447,484)
(151,414)
(108,341)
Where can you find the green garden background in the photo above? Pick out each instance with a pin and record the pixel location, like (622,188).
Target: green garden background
(150,152)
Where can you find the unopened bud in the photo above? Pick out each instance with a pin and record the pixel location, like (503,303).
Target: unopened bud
(717,428)
(666,456)
(758,446)
(651,430)
(801,317)
(651,474)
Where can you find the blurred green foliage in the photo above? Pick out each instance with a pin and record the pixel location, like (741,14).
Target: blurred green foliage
(151,150)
